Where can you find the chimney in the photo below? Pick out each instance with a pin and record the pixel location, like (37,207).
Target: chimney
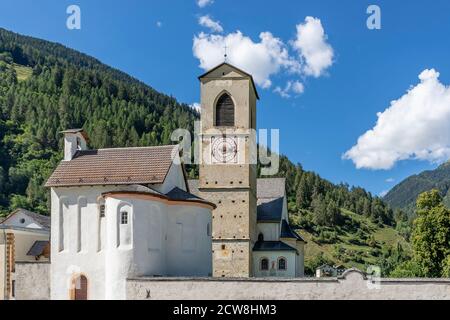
(74,140)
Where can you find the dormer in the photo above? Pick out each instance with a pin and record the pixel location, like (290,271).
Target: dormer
(74,140)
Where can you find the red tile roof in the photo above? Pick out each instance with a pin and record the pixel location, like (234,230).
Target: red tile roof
(114,166)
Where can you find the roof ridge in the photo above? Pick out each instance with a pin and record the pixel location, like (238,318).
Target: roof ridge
(135,148)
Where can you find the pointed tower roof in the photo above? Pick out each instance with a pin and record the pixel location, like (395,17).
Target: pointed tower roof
(214,72)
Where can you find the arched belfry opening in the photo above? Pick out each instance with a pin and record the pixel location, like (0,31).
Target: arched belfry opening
(225,111)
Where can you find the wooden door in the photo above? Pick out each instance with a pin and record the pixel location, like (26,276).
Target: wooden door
(81,288)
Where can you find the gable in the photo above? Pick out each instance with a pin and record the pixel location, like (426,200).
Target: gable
(26,219)
(228,71)
(175,177)
(225,70)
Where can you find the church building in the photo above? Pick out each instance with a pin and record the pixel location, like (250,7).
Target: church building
(130,212)
(123,212)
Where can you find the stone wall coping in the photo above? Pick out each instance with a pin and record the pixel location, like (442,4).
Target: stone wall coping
(210,279)
(423,280)
(309,279)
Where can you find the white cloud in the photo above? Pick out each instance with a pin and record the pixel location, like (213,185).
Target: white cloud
(308,55)
(261,59)
(390,180)
(207,22)
(311,44)
(159,24)
(416,126)
(204,3)
(295,87)
(196,106)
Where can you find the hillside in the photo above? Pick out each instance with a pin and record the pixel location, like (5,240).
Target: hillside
(359,243)
(46,87)
(404,195)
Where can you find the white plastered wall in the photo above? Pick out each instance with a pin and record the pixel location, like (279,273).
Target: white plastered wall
(271,231)
(84,243)
(273,256)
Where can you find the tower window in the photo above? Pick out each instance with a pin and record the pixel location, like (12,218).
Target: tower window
(264,264)
(281,264)
(225,111)
(124,217)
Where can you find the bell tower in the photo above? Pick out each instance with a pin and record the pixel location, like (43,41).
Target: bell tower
(228,166)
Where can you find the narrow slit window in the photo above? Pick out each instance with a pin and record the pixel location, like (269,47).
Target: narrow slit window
(102,210)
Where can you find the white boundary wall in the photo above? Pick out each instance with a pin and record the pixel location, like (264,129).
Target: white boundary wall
(352,285)
(33,283)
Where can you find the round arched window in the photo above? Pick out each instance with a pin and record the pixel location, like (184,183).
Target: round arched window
(281,264)
(260,237)
(264,264)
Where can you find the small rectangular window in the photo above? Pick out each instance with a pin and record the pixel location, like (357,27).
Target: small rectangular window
(124,217)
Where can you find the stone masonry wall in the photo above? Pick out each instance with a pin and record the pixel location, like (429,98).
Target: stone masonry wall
(32,280)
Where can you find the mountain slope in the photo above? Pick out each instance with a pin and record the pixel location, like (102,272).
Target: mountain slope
(404,195)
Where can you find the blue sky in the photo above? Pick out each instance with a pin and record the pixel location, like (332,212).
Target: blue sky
(370,68)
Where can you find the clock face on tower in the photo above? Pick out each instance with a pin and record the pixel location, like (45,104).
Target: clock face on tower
(224,150)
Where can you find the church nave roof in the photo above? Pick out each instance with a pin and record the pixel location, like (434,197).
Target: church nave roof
(116,166)
(287,232)
(270,211)
(272,246)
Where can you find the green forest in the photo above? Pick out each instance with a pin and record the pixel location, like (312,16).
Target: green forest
(46,88)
